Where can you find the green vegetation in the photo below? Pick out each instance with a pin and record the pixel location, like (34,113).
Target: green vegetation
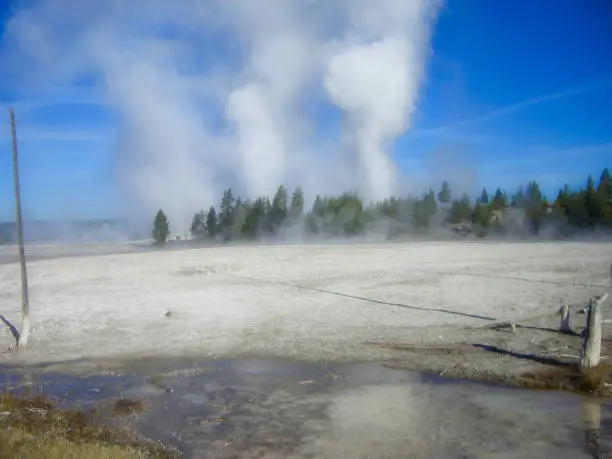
(526,211)
(34,428)
(161,229)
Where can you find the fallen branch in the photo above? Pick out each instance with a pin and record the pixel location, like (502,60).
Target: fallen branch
(12,328)
(568,356)
(510,322)
(557,349)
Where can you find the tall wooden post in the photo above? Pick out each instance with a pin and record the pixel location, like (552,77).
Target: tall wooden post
(25,300)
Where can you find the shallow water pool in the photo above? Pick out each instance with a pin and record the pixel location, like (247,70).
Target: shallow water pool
(285,409)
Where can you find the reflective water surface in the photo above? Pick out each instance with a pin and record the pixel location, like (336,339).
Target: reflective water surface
(284,409)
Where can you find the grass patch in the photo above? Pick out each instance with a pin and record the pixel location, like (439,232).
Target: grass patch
(158,382)
(34,428)
(126,406)
(593,381)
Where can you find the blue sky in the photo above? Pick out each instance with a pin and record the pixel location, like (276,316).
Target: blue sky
(513,91)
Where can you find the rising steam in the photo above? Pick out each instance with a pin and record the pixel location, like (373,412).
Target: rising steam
(375,77)
(212,94)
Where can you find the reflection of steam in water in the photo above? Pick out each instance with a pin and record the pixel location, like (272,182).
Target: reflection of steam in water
(261,409)
(375,420)
(279,409)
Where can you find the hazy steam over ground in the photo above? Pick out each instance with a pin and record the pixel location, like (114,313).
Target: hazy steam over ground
(213,94)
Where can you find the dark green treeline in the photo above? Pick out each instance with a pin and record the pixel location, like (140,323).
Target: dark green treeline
(526,211)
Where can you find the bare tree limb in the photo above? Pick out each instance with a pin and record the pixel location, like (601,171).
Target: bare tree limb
(12,328)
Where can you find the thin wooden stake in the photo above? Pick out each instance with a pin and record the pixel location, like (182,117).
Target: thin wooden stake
(25,301)
(564,312)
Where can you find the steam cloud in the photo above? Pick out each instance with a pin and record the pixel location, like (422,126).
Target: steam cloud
(213,94)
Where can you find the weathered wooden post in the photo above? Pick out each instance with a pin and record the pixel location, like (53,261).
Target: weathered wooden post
(591,340)
(564,312)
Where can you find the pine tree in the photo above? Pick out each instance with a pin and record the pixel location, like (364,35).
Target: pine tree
(314,218)
(161,229)
(419,215)
(267,222)
(389,208)
(576,211)
(605,184)
(445,195)
(241,210)
(604,195)
(518,199)
(212,226)
(500,200)
(226,215)
(279,209)
(461,210)
(424,209)
(535,206)
(481,217)
(431,204)
(484,196)
(198,226)
(254,218)
(296,208)
(591,203)
(563,199)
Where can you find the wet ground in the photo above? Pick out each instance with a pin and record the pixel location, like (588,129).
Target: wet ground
(284,409)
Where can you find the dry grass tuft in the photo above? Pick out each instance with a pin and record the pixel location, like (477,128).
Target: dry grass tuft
(33,428)
(596,380)
(593,381)
(10,403)
(126,406)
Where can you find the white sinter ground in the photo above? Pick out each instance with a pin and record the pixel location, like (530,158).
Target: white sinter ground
(311,302)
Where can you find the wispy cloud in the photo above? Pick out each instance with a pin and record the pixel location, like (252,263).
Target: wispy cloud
(552,152)
(451,135)
(513,108)
(33,100)
(534,157)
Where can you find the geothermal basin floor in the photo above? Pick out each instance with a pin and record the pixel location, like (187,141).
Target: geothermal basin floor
(312,302)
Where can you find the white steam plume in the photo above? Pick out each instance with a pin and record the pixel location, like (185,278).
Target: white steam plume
(375,77)
(211,94)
